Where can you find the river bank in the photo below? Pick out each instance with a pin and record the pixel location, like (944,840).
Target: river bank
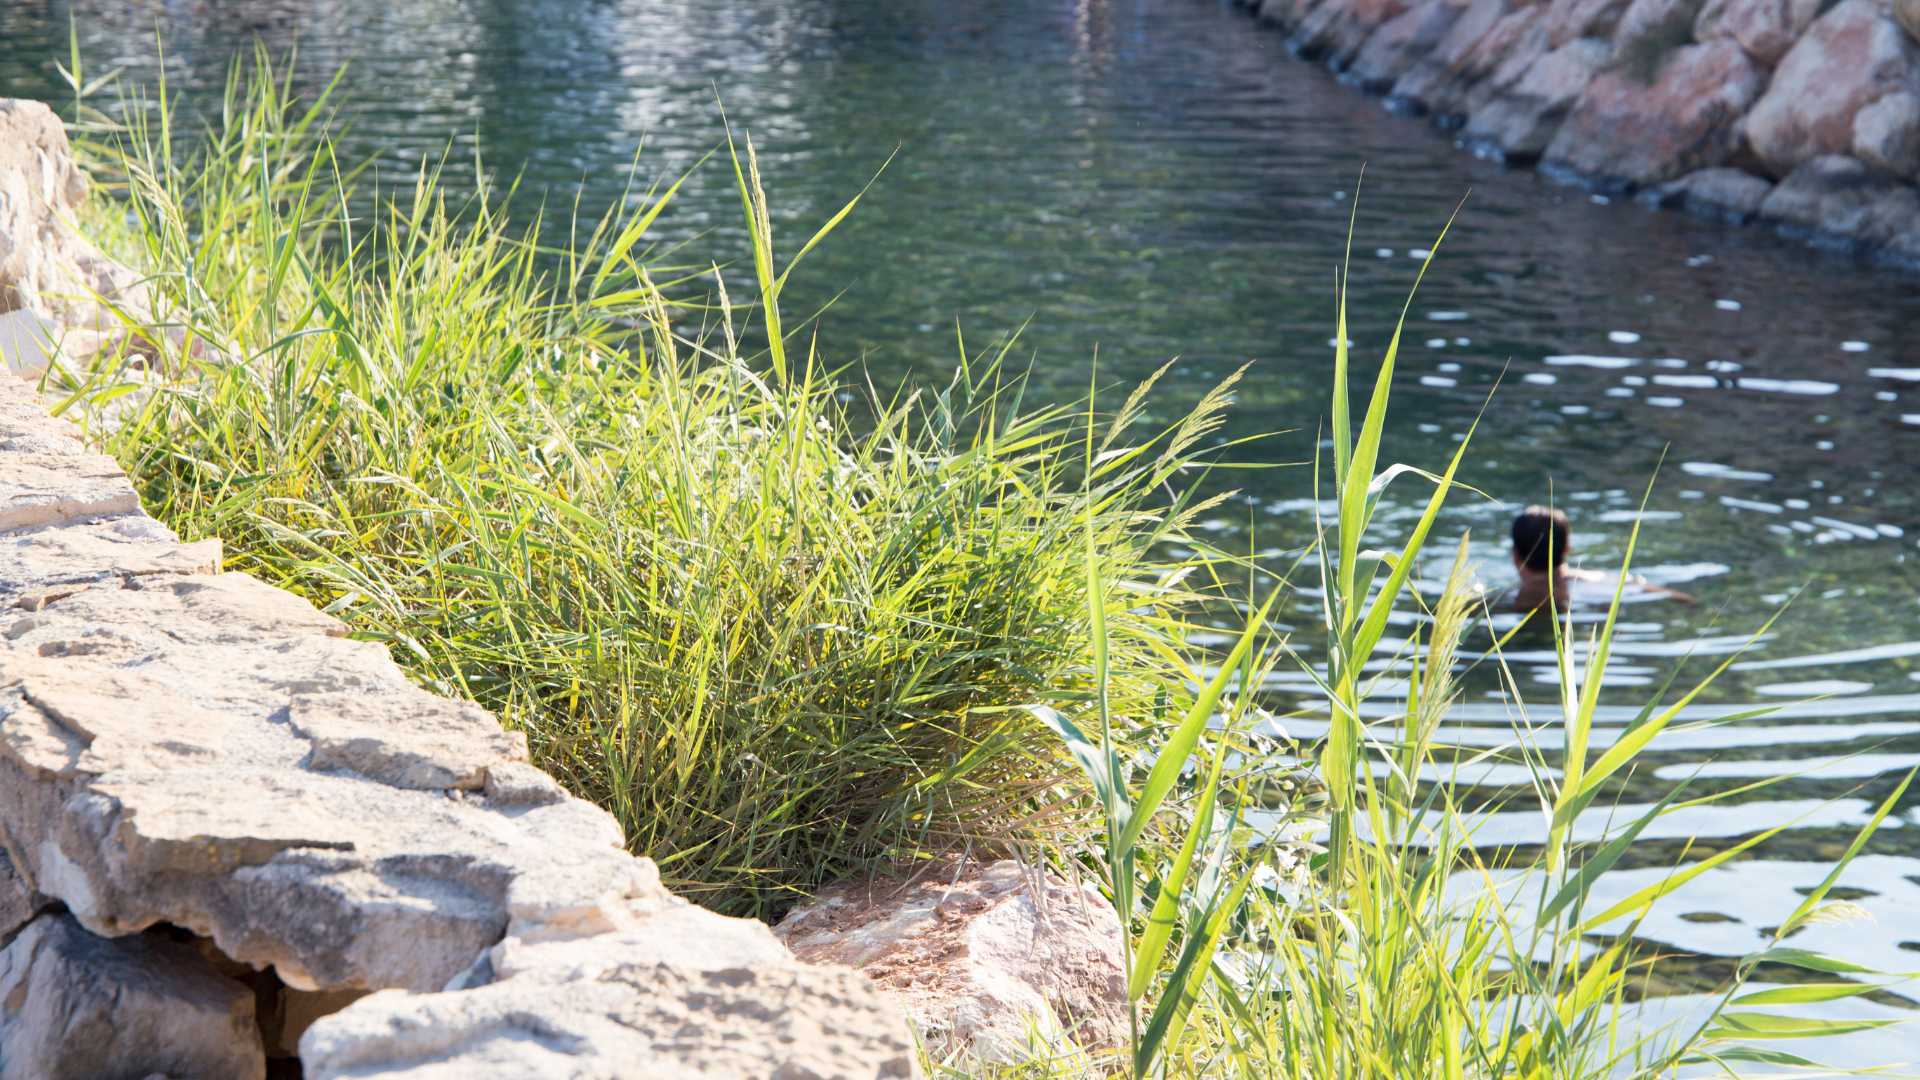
(449,468)
(1781,112)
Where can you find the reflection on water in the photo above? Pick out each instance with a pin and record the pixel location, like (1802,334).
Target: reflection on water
(1157,178)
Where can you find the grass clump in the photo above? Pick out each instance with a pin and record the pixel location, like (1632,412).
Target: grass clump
(778,630)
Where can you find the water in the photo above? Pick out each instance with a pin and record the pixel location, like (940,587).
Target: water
(1159,178)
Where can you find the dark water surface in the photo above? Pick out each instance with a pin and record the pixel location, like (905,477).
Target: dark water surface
(1159,178)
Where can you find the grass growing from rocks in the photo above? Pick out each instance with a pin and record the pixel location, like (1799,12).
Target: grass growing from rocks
(778,630)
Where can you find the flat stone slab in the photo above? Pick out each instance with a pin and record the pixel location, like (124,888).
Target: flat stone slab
(191,749)
(50,489)
(634,1020)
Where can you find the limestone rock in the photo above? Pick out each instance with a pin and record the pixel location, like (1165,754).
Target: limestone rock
(45,268)
(981,958)
(1728,194)
(40,566)
(43,489)
(1765,28)
(18,905)
(1521,121)
(634,1019)
(1886,134)
(1850,56)
(340,879)
(679,991)
(1637,133)
(80,1007)
(1841,201)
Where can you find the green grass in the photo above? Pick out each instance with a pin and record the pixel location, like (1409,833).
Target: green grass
(779,630)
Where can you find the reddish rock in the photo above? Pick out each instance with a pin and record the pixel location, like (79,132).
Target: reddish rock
(1849,57)
(1400,42)
(1727,194)
(1651,29)
(1886,134)
(1337,30)
(1635,132)
(1510,50)
(1519,123)
(983,959)
(1907,14)
(1765,28)
(1439,82)
(1287,13)
(1840,200)
(1568,20)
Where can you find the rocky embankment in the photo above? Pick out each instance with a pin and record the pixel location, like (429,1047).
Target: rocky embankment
(232,837)
(1803,114)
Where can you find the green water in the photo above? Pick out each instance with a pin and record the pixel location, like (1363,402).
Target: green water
(1158,178)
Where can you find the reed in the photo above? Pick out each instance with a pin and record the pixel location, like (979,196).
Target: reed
(1413,950)
(780,627)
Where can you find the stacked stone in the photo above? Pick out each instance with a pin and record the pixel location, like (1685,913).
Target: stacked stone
(229,832)
(1744,109)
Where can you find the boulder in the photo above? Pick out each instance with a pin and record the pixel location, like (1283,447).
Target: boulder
(1439,82)
(1907,14)
(53,489)
(80,1007)
(1520,122)
(1627,131)
(1765,28)
(1287,13)
(18,905)
(70,289)
(1392,49)
(1843,203)
(1650,30)
(1886,134)
(1850,56)
(1514,47)
(1336,31)
(983,956)
(678,1000)
(1569,20)
(1726,194)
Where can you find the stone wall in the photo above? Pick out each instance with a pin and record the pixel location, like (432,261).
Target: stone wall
(232,838)
(1803,114)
